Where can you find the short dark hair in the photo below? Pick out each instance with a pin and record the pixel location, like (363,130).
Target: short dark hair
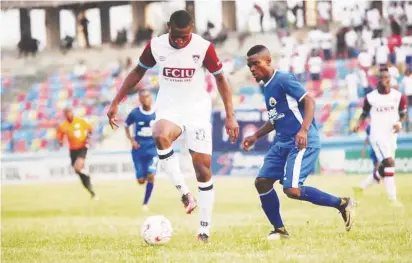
(142,91)
(181,19)
(256,49)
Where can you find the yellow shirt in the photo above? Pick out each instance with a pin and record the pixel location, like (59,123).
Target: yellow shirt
(77,133)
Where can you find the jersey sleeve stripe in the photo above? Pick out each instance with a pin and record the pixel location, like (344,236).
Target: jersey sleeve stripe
(217,72)
(304,95)
(143,65)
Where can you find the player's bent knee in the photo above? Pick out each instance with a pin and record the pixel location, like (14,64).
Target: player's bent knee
(388,162)
(141,180)
(150,178)
(263,185)
(293,193)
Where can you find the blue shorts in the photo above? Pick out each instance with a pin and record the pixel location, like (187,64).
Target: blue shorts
(144,165)
(290,166)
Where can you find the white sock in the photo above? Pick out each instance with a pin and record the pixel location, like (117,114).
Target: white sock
(389,181)
(369,180)
(170,163)
(206,198)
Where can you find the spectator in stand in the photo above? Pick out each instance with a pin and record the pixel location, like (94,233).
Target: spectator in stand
(284,63)
(298,65)
(352,84)
(315,37)
(394,73)
(407,89)
(408,13)
(326,45)
(407,46)
(259,9)
(340,43)
(288,44)
(345,17)
(382,53)
(357,19)
(367,39)
(315,66)
(394,40)
(373,17)
(350,39)
(324,14)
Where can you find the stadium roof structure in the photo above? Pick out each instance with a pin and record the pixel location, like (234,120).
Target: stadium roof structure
(53,3)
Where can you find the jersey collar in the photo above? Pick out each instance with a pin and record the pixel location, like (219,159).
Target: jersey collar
(274,73)
(146,112)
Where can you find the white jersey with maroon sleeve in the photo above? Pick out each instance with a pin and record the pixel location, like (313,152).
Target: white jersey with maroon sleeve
(384,110)
(182,96)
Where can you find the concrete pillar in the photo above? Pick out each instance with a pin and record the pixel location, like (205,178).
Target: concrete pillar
(105,23)
(229,15)
(25,22)
(190,8)
(139,14)
(52,27)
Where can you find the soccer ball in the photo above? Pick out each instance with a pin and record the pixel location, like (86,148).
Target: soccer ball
(156,230)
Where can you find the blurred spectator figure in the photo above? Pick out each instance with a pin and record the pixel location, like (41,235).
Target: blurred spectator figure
(221,37)
(284,63)
(394,40)
(408,14)
(350,39)
(407,85)
(288,44)
(340,43)
(394,72)
(366,38)
(28,45)
(352,83)
(278,10)
(298,66)
(315,66)
(84,23)
(121,38)
(80,69)
(66,43)
(259,9)
(207,34)
(373,17)
(326,45)
(142,35)
(324,14)
(345,16)
(365,60)
(315,38)
(407,88)
(382,53)
(357,19)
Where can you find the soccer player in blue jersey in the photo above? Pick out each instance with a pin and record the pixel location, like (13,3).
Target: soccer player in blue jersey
(144,152)
(371,179)
(293,154)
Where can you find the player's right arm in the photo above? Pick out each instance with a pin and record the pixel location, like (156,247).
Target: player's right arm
(60,135)
(146,62)
(249,141)
(365,112)
(129,121)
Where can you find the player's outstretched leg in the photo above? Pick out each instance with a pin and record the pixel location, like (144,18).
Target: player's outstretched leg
(165,132)
(78,168)
(271,207)
(388,171)
(149,189)
(206,195)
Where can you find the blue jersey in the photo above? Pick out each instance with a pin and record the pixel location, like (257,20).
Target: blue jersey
(142,131)
(283,94)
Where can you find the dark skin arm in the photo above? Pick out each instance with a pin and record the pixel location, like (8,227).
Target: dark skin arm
(249,141)
(301,139)
(134,143)
(128,85)
(232,127)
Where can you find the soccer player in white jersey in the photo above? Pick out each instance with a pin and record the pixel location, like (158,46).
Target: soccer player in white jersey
(184,106)
(386,108)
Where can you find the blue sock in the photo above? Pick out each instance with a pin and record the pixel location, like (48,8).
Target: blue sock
(148,193)
(317,197)
(271,206)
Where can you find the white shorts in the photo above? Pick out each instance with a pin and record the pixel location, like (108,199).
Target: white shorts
(197,135)
(384,148)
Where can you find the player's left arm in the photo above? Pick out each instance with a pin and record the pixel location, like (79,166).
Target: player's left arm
(214,66)
(294,89)
(402,113)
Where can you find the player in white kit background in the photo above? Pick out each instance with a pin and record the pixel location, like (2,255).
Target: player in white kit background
(386,108)
(184,106)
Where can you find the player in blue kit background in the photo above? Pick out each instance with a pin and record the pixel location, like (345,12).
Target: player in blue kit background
(144,152)
(293,154)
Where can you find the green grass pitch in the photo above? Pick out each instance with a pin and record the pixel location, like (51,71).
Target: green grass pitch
(58,223)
